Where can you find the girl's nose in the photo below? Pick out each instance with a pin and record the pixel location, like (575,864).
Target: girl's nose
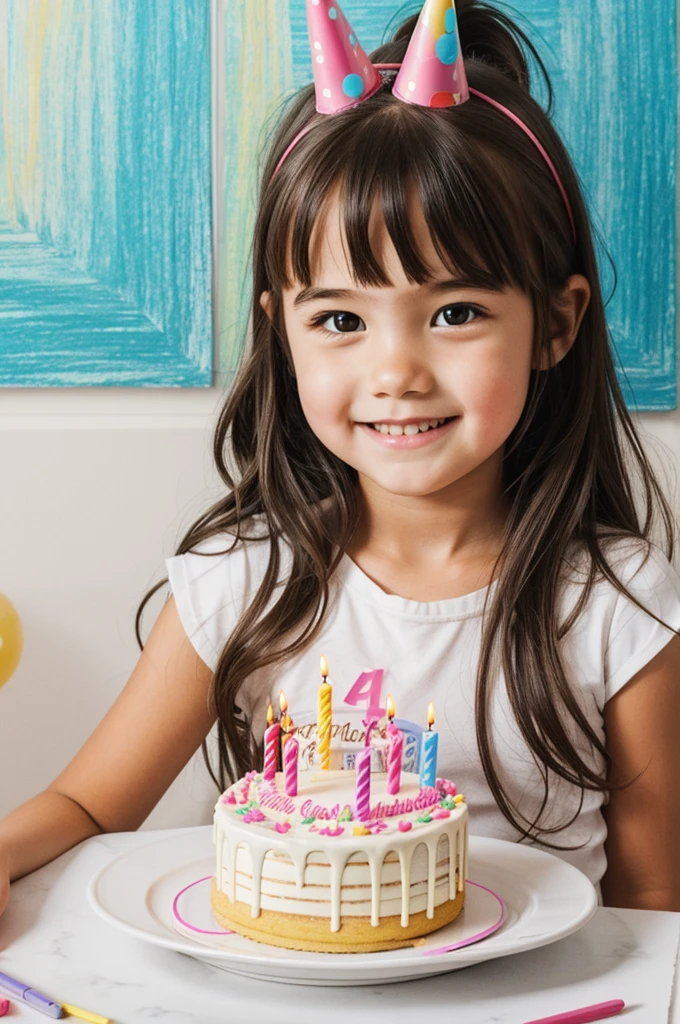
(399,366)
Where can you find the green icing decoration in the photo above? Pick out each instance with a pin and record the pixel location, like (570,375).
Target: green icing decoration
(308,821)
(346,814)
(447,802)
(246,807)
(424,817)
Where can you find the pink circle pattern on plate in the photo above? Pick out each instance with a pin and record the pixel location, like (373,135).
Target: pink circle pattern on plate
(428,952)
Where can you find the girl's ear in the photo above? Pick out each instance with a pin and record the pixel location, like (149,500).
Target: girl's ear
(567,315)
(266,303)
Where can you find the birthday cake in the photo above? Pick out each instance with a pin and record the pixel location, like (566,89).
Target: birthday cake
(343,859)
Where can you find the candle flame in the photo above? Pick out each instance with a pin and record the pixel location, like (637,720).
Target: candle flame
(324,667)
(430,716)
(390,707)
(283,702)
(270,714)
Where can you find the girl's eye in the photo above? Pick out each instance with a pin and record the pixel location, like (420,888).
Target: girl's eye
(341,323)
(459,314)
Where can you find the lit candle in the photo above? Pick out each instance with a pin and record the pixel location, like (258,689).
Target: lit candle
(428,752)
(286,720)
(290,765)
(271,746)
(363,785)
(391,727)
(325,717)
(395,751)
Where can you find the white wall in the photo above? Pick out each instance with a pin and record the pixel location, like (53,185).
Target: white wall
(97,488)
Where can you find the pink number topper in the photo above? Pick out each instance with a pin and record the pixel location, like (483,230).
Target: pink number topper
(366,690)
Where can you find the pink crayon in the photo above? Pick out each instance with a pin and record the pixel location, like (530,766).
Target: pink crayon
(584,1015)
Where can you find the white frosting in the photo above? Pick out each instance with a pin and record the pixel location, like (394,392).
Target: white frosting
(386,873)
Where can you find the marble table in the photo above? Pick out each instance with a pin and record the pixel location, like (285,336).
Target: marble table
(50,938)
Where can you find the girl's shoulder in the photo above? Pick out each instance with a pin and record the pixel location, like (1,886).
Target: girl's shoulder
(613,636)
(213,583)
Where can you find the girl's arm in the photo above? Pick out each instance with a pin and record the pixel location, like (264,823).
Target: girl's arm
(118,776)
(642,725)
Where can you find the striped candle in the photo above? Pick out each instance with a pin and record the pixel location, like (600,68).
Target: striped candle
(290,765)
(395,756)
(363,784)
(428,752)
(271,746)
(325,717)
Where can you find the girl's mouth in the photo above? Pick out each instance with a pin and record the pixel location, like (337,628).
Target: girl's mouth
(426,433)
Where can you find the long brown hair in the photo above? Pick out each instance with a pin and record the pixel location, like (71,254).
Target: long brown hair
(497,218)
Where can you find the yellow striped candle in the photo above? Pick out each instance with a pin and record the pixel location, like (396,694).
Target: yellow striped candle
(325,717)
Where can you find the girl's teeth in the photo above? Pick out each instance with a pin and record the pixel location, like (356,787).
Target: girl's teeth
(410,429)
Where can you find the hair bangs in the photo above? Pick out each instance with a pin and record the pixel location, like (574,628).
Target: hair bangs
(379,167)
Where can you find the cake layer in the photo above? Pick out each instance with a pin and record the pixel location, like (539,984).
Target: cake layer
(280,892)
(356,934)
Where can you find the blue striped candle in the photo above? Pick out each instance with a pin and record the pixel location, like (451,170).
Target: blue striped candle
(428,752)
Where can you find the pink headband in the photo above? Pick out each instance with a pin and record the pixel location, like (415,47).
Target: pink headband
(432,73)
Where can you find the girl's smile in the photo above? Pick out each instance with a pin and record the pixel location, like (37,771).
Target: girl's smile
(413,434)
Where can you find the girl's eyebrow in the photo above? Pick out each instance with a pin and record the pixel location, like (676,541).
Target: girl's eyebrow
(435,287)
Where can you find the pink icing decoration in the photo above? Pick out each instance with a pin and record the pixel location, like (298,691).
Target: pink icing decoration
(441,813)
(376,826)
(282,827)
(331,831)
(448,787)
(405,826)
(254,814)
(229,798)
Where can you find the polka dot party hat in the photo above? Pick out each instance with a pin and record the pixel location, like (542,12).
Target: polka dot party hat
(432,73)
(343,74)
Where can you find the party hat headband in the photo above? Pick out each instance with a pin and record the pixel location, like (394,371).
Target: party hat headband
(432,73)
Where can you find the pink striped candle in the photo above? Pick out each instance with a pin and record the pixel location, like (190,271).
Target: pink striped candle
(395,756)
(271,749)
(291,750)
(363,785)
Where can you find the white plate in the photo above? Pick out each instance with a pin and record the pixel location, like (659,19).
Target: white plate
(546,900)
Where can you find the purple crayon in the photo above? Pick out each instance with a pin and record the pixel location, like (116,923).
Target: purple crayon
(30,996)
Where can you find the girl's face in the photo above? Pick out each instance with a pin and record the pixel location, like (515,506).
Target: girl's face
(370,360)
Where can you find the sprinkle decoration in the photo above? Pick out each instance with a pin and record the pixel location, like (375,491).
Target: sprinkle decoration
(254,814)
(405,826)
(282,827)
(328,831)
(441,813)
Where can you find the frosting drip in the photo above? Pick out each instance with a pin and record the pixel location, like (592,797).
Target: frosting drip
(410,857)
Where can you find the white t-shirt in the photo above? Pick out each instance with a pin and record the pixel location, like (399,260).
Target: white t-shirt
(428,651)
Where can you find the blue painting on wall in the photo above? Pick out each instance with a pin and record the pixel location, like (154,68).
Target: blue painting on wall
(105,194)
(614,69)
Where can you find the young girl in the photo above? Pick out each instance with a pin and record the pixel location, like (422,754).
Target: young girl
(430,476)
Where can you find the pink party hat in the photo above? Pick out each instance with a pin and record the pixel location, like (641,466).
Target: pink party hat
(432,73)
(343,73)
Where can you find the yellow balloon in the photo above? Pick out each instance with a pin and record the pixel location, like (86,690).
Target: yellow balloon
(11,639)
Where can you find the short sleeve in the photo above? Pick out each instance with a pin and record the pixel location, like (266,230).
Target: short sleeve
(634,636)
(206,584)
